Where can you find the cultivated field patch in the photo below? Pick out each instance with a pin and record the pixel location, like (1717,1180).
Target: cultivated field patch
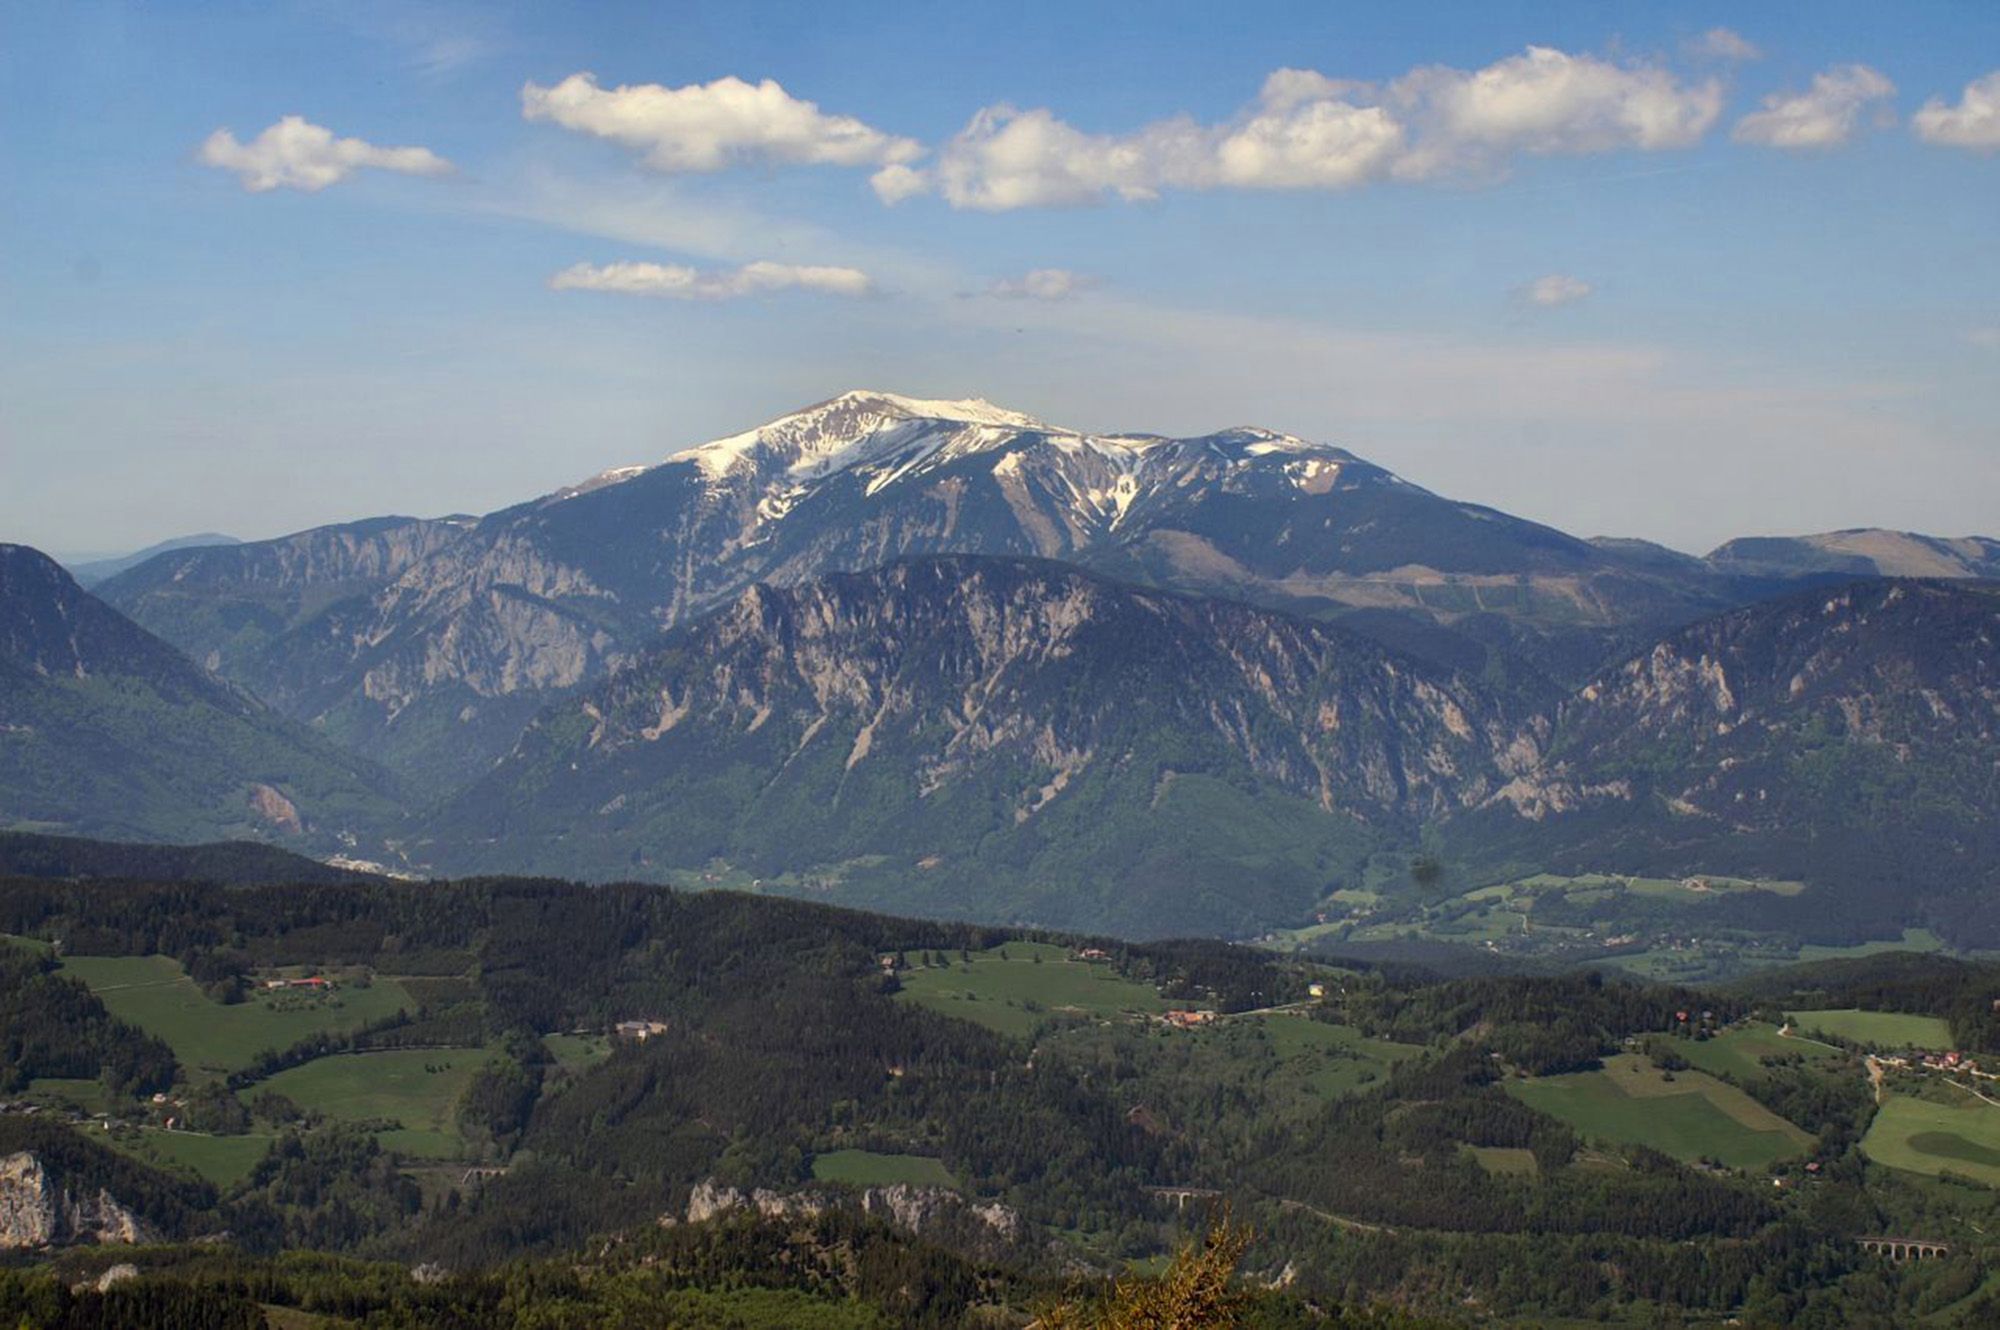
(1740,1050)
(1875,1029)
(222,1160)
(419,1088)
(1687,1114)
(1925,1136)
(211,1038)
(1014,988)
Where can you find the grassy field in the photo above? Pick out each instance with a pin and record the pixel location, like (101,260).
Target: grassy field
(222,1160)
(155,994)
(1591,886)
(1693,1116)
(865,1168)
(1738,1050)
(1331,1059)
(1015,988)
(1923,1136)
(1505,1160)
(1913,939)
(418,1087)
(61,1092)
(578,1052)
(1879,1029)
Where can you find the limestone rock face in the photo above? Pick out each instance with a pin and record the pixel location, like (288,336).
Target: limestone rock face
(937,1214)
(36,1212)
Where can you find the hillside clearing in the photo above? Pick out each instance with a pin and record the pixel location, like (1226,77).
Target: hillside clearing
(1689,1115)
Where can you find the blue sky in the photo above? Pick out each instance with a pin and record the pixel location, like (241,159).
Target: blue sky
(1679,271)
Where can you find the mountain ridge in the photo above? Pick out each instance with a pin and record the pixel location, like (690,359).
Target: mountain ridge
(107,730)
(433,663)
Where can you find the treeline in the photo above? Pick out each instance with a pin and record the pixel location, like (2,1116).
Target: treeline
(1542,1025)
(1395,1155)
(223,863)
(1962,993)
(829,1272)
(54,1026)
(749,1079)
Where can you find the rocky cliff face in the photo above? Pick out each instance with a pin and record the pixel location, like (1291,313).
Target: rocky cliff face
(426,645)
(35,1212)
(1844,737)
(950,719)
(936,1214)
(1714,719)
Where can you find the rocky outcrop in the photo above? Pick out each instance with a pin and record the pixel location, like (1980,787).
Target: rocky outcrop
(400,634)
(37,1212)
(968,711)
(936,1214)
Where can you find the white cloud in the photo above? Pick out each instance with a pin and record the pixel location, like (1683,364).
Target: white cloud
(1726,44)
(707,126)
(1547,102)
(1823,116)
(1308,131)
(675,281)
(896,182)
(294,153)
(1556,289)
(1985,337)
(1042,284)
(1973,123)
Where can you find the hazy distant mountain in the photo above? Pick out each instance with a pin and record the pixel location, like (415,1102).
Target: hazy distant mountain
(1865,552)
(89,572)
(1844,737)
(107,730)
(432,661)
(997,739)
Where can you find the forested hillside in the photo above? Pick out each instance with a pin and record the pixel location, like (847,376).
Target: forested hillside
(444,1080)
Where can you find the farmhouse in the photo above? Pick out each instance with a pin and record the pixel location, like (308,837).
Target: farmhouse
(1187,1020)
(639,1031)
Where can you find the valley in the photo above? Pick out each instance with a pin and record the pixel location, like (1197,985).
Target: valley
(825,1059)
(941,658)
(808,878)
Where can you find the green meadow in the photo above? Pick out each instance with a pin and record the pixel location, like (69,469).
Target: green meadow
(866,1168)
(1331,1059)
(1690,1116)
(208,1037)
(1014,988)
(1875,1029)
(1506,1160)
(1932,1137)
(1740,1050)
(577,1052)
(222,1160)
(417,1087)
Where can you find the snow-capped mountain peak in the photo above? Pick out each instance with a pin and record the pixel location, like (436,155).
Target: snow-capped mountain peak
(855,429)
(883,437)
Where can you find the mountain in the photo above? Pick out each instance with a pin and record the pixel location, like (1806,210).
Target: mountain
(1864,552)
(107,730)
(280,617)
(89,572)
(995,738)
(1846,738)
(225,863)
(432,661)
